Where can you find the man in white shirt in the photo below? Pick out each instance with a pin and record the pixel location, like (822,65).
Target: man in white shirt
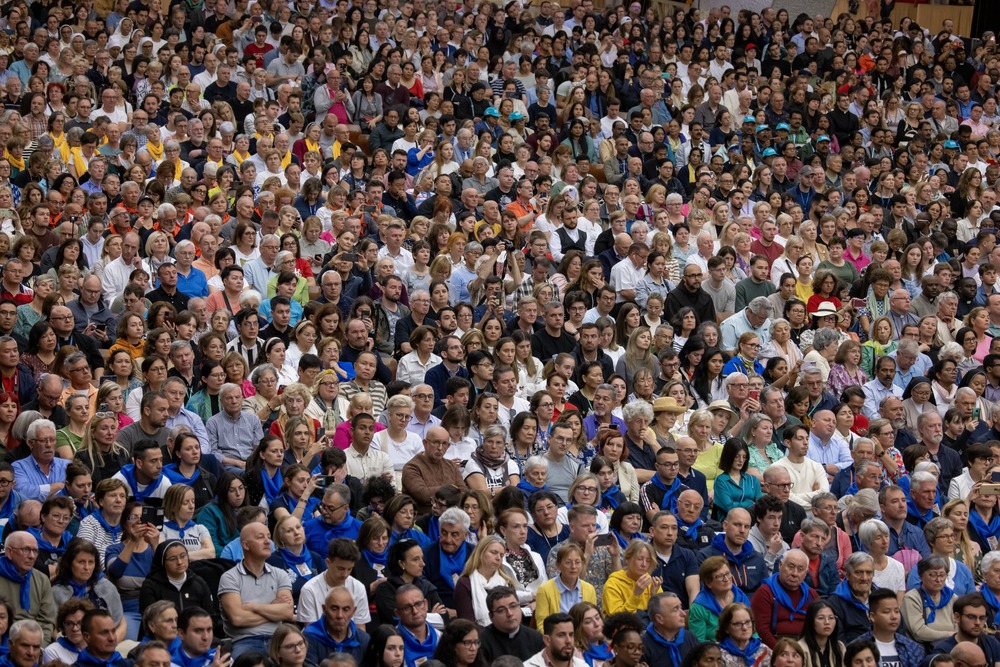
(363,460)
(559,642)
(395,231)
(342,553)
(626,274)
(706,249)
(808,477)
(117,272)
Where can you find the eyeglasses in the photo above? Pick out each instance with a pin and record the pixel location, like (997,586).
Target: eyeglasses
(408,608)
(293,647)
(28,550)
(470,643)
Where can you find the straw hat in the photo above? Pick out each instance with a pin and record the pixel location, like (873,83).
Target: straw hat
(668,404)
(724,406)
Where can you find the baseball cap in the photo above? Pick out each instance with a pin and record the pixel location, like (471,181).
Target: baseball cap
(769,152)
(515,115)
(951,143)
(492,111)
(749,119)
(822,137)
(782,126)
(761,128)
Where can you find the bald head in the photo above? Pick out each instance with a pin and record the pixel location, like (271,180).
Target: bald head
(968,653)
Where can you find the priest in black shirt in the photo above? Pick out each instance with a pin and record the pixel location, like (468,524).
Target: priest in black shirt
(505,635)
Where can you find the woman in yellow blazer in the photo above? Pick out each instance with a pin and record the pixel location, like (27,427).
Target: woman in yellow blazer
(548,600)
(629,589)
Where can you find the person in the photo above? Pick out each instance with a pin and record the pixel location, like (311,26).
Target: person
(820,640)
(233,432)
(428,471)
(630,588)
(666,640)
(172,564)
(250,583)
(196,634)
(98,629)
(717,592)
(927,608)
(420,639)
(144,476)
(506,634)
(78,577)
(565,587)
(663,489)
(334,521)
(28,590)
(884,610)
(737,638)
(41,474)
(560,644)
(780,604)
(335,631)
(747,565)
(67,648)
(482,572)
(807,476)
(970,620)
(851,596)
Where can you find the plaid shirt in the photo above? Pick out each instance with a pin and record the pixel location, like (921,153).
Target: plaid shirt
(37,126)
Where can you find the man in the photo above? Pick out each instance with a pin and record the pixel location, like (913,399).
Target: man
(175,391)
(772,402)
(25,588)
(41,474)
(807,476)
(851,597)
(63,324)
(117,272)
(341,556)
(16,378)
(863,451)
(600,561)
(47,399)
(78,370)
(747,566)
(419,638)
(560,644)
(676,566)
(902,534)
(196,632)
(625,275)
(89,309)
(364,461)
(553,338)
(256,597)
(426,472)
(930,431)
(100,632)
(778,483)
(506,634)
(758,283)
(444,560)
(923,494)
(694,533)
(335,632)
(563,468)
(423,405)
(25,644)
(833,455)
(510,405)
(666,640)
(145,479)
(452,356)
(766,536)
(779,604)
(258,272)
(334,521)
(690,294)
(233,433)
(600,420)
(899,310)
(154,409)
(976,428)
(755,317)
(971,614)
(190,280)
(885,617)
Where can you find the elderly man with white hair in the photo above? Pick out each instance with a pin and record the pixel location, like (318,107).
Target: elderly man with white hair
(42,474)
(190,280)
(233,433)
(705,243)
(756,317)
(25,588)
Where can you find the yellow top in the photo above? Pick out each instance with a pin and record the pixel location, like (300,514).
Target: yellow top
(708,463)
(619,594)
(547,600)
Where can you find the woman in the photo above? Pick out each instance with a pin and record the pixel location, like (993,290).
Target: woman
(386,648)
(413,366)
(880,344)
(490,469)
(459,645)
(41,350)
(102,527)
(292,555)
(847,370)
(288,647)
(638,354)
(979,321)
(546,530)
(524,565)
(99,451)
(967,551)
(717,593)
(400,514)
(944,384)
(396,440)
(219,516)
(483,571)
(735,487)
(130,561)
(820,639)
(266,401)
(172,580)
(889,573)
(927,607)
(262,476)
(179,525)
(706,381)
(67,647)
(745,360)
(186,469)
(709,452)
(585,490)
(630,588)
(737,639)
(569,566)
(70,438)
(79,576)
(405,566)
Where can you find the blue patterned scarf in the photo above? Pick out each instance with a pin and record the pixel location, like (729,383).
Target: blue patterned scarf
(690,530)
(748,654)
(610,498)
(374,558)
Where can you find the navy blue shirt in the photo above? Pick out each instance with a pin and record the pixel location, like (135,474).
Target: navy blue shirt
(682,564)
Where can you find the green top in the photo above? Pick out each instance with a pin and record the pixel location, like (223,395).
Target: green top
(66,437)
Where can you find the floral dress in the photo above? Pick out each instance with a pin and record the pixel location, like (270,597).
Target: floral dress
(762,462)
(840,379)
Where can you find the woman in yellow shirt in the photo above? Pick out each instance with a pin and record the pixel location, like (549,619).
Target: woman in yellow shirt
(548,600)
(629,589)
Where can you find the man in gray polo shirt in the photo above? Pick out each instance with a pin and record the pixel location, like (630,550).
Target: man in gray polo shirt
(563,468)
(256,598)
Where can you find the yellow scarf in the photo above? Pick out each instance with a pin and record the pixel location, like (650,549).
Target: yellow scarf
(178,168)
(16,163)
(62,146)
(155,152)
(81,162)
(312,146)
(286,160)
(240,158)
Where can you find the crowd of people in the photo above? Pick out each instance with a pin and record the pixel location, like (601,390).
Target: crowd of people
(481,335)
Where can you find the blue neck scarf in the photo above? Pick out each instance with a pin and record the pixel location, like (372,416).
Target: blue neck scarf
(610,498)
(719,542)
(128,472)
(452,564)
(68,645)
(175,476)
(7,511)
(844,591)
(669,501)
(624,541)
(992,601)
(783,599)
(410,534)
(922,519)
(415,649)
(85,658)
(179,657)
(293,561)
(317,630)
(10,573)
(598,653)
(985,530)
(528,488)
(708,601)
(946,595)
(673,647)
(690,530)
(116,531)
(272,485)
(172,525)
(374,558)
(82,590)
(57,549)
(748,654)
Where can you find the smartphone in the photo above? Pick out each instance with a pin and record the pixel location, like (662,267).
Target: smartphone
(858,303)
(351,257)
(225,646)
(995,477)
(755,394)
(604,540)
(101,327)
(990,489)
(368,209)
(152,515)
(318,258)
(975,415)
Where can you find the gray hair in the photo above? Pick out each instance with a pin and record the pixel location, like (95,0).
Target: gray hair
(947,296)
(226,127)
(922,477)
(822,497)
(22,626)
(637,410)
(536,462)
(935,526)
(759,306)
(341,490)
(858,558)
(177,346)
(473,246)
(733,377)
(825,338)
(178,430)
(776,322)
(271,237)
(909,347)
(989,560)
(164,209)
(260,370)
(809,524)
(653,607)
(230,386)
(953,351)
(968,392)
(455,516)
(872,528)
(184,244)
(171,145)
(37,426)
(932,562)
(865,499)
(284,256)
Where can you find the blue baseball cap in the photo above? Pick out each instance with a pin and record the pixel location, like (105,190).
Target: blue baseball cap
(516,115)
(782,126)
(951,143)
(761,128)
(492,111)
(734,147)
(770,152)
(822,137)
(749,119)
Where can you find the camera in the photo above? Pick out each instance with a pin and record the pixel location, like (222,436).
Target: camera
(508,246)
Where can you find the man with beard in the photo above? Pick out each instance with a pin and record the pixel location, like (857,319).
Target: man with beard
(506,634)
(560,644)
(930,429)
(452,356)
